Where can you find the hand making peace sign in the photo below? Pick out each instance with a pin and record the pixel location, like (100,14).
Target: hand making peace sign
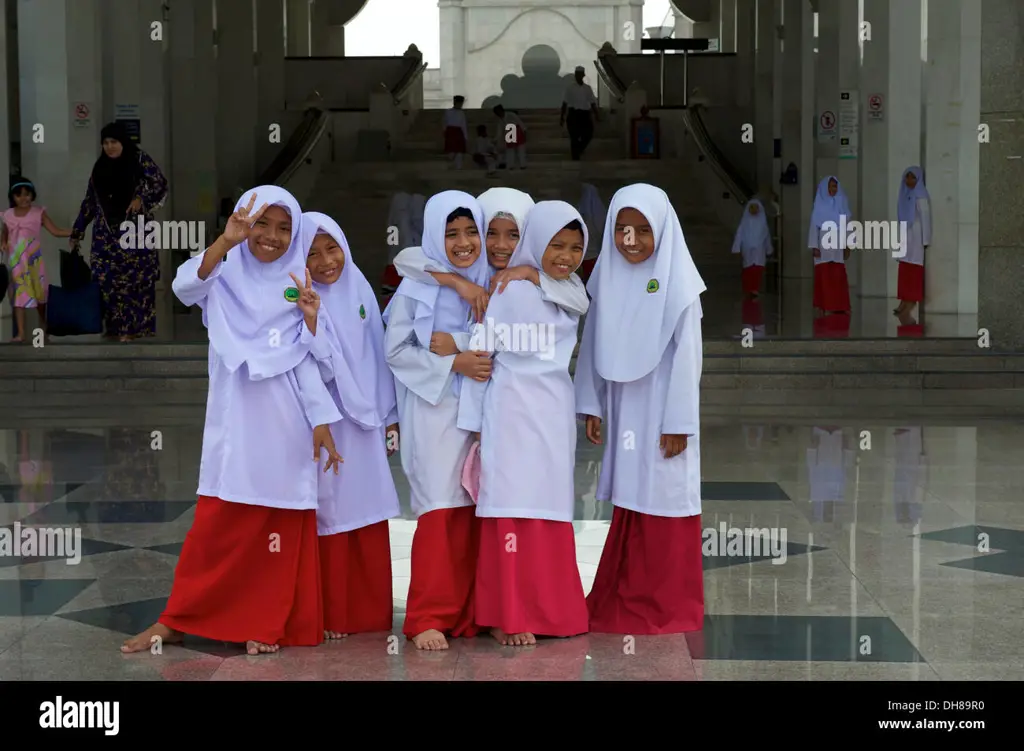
(240,223)
(309,300)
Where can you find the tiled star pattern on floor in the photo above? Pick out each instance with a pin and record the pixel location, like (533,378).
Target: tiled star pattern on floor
(882,578)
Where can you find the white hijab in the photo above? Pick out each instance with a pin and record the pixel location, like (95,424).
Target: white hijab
(829,208)
(523,302)
(513,204)
(752,231)
(355,330)
(906,206)
(440,308)
(250,321)
(637,306)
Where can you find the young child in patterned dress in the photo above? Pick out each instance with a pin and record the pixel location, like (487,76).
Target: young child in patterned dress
(20,243)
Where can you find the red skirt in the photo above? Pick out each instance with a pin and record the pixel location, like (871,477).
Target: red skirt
(910,284)
(454,140)
(527,579)
(832,326)
(831,287)
(248,573)
(752,279)
(356,572)
(651,576)
(444,552)
(752,313)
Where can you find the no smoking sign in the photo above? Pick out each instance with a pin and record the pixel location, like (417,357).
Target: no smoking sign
(828,120)
(876,107)
(81,114)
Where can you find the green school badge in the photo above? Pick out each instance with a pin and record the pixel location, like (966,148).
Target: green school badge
(291,294)
(362,312)
(652,286)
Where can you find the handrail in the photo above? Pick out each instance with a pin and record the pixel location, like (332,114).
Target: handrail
(399,90)
(301,144)
(611,81)
(722,167)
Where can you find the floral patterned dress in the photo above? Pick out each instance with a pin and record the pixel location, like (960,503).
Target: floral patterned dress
(28,273)
(127,278)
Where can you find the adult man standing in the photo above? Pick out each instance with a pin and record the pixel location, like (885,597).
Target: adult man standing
(578,104)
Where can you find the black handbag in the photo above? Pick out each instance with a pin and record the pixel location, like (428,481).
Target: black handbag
(74,271)
(74,312)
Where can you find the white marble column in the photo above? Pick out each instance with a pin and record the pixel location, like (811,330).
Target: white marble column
(270,48)
(300,20)
(134,70)
(328,34)
(60,67)
(797,135)
(746,46)
(729,14)
(237,98)
(768,18)
(193,171)
(837,70)
(712,28)
(951,165)
(453,48)
(135,47)
(892,70)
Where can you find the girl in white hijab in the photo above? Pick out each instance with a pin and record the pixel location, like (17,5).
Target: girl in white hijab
(267,399)
(639,370)
(355,505)
(505,213)
(826,237)
(434,450)
(526,419)
(754,241)
(914,209)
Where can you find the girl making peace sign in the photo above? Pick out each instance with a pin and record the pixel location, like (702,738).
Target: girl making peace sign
(249,570)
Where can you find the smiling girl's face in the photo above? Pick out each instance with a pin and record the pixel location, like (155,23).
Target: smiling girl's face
(462,242)
(564,254)
(634,236)
(326,259)
(502,238)
(271,235)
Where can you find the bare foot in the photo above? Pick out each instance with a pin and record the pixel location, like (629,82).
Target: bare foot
(521,640)
(334,635)
(259,648)
(431,640)
(155,634)
(16,340)
(500,635)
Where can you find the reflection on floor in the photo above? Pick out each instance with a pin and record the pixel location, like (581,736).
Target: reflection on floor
(857,553)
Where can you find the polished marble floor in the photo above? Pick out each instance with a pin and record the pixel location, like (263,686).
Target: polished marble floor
(896,552)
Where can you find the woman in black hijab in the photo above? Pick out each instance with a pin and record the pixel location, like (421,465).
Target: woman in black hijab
(125,183)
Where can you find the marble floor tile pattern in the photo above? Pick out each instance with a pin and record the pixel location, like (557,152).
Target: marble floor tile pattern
(824,560)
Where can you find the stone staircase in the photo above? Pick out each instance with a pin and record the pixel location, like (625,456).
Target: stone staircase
(166,384)
(358,195)
(155,384)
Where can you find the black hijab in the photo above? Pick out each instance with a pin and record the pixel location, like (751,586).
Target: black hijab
(117,180)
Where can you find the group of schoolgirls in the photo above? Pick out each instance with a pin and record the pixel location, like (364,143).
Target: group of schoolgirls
(285,551)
